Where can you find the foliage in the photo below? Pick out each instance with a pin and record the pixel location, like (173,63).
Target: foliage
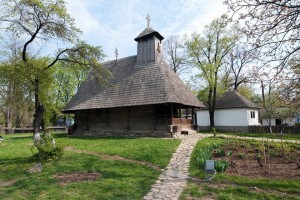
(219,152)
(221,165)
(207,53)
(241,155)
(237,187)
(47,149)
(246,91)
(214,131)
(201,156)
(43,22)
(16,103)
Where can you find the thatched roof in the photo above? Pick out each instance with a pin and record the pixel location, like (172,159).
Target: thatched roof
(233,99)
(132,84)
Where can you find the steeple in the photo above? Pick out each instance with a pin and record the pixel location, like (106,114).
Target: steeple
(149,48)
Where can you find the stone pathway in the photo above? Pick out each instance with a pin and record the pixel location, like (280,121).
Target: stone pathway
(172,181)
(259,139)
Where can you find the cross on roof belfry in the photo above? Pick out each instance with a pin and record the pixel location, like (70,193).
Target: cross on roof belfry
(116,53)
(148,20)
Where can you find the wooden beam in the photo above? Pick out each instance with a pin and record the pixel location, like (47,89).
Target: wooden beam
(193,115)
(128,118)
(107,117)
(87,119)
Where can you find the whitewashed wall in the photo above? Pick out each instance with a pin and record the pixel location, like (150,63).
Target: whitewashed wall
(289,121)
(253,121)
(228,117)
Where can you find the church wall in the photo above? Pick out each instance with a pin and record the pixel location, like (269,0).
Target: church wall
(124,121)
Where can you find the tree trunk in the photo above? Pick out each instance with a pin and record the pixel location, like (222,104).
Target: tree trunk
(211,110)
(39,112)
(212,118)
(8,119)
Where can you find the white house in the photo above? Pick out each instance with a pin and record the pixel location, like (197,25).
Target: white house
(233,112)
(276,121)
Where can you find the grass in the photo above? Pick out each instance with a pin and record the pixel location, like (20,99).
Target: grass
(120,179)
(152,150)
(225,186)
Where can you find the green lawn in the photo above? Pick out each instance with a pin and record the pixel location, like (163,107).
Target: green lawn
(120,179)
(225,186)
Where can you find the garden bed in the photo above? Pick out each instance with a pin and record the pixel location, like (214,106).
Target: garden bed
(272,161)
(255,170)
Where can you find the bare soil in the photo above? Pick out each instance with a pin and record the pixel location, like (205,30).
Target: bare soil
(273,167)
(7,183)
(77,177)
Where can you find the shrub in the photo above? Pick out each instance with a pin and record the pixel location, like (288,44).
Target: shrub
(219,152)
(221,165)
(201,156)
(215,145)
(259,158)
(241,155)
(229,153)
(214,131)
(47,150)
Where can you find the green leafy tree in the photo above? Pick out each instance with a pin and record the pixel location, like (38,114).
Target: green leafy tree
(15,96)
(207,52)
(67,80)
(38,22)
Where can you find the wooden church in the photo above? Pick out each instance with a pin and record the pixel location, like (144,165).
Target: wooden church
(146,98)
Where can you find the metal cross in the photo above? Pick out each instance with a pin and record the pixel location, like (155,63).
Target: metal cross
(116,53)
(148,20)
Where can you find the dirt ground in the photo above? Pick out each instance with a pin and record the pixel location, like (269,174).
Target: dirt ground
(77,177)
(275,167)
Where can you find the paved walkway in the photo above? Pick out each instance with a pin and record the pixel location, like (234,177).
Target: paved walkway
(172,181)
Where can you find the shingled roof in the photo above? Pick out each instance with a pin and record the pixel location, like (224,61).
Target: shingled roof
(233,99)
(132,84)
(148,31)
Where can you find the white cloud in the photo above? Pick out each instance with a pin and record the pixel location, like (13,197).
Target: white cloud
(114,23)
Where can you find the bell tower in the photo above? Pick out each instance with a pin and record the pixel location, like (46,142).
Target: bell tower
(149,47)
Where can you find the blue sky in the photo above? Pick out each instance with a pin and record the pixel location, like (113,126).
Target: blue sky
(116,23)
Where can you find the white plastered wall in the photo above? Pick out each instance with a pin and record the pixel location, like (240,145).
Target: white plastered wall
(229,117)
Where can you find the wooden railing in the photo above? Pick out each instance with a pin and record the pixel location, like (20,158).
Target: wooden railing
(181,121)
(173,121)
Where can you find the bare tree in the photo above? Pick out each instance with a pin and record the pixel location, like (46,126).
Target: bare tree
(271,26)
(174,53)
(238,64)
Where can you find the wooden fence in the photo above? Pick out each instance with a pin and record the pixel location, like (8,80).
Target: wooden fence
(275,129)
(62,129)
